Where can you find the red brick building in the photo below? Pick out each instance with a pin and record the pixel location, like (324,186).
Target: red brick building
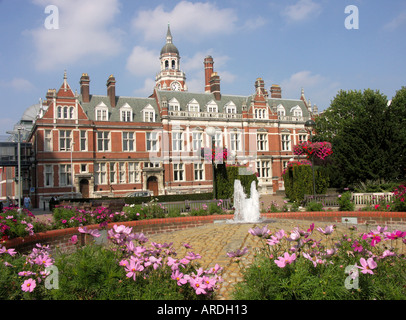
(109,145)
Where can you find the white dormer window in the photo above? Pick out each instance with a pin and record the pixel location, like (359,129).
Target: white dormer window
(101,112)
(126,113)
(230,107)
(174,105)
(280,110)
(193,106)
(212,107)
(296,111)
(148,114)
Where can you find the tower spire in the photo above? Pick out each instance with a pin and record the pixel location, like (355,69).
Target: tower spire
(168,35)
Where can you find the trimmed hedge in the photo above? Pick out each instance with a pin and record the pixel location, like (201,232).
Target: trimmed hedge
(299,181)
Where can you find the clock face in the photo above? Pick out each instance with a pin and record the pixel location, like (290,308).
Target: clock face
(175,86)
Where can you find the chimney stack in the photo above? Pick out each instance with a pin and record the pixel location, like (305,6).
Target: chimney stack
(208,70)
(111,90)
(260,87)
(84,87)
(215,85)
(276,91)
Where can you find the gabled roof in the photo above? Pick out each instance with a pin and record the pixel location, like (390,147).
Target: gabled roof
(136,104)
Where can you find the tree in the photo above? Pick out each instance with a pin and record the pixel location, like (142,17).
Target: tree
(396,132)
(356,125)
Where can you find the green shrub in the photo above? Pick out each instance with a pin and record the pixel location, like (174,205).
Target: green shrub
(345,203)
(314,206)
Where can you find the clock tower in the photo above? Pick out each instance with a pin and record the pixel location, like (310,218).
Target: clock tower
(170,77)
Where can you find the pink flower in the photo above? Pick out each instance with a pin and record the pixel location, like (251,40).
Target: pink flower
(28,285)
(286,259)
(367,265)
(375,238)
(198,285)
(74,239)
(178,276)
(329,229)
(357,246)
(396,235)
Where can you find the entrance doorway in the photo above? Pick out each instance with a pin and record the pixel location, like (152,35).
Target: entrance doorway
(84,188)
(152,185)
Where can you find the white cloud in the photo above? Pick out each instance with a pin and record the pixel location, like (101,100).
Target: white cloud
(85,32)
(302,10)
(18,84)
(319,89)
(187,20)
(396,22)
(142,61)
(147,90)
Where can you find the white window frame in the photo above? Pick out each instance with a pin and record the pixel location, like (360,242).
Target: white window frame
(296,111)
(128,141)
(148,114)
(48,175)
(103,141)
(193,106)
(152,141)
(264,168)
(286,142)
(65,175)
(126,113)
(65,140)
(122,172)
(197,140)
(83,140)
(174,105)
(133,172)
(178,172)
(198,171)
(100,173)
(262,141)
(48,140)
(280,110)
(212,107)
(235,141)
(113,172)
(101,112)
(177,141)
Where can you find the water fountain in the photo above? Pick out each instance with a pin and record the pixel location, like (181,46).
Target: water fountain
(246,209)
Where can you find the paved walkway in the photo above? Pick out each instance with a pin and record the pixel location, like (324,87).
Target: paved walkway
(213,242)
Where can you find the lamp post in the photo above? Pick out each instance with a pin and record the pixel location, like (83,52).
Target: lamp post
(310,124)
(211,132)
(71,167)
(19,128)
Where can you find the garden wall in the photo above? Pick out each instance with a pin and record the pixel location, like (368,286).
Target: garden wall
(61,238)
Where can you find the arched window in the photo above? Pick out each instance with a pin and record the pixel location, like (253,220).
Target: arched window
(59,112)
(173,64)
(166,64)
(71,112)
(65,112)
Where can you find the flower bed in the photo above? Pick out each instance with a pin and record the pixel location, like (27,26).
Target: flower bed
(321,265)
(126,269)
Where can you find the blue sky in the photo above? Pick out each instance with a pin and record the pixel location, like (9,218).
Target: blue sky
(293,43)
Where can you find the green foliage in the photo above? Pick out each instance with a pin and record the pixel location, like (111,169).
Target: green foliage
(314,206)
(367,135)
(345,203)
(299,181)
(225,176)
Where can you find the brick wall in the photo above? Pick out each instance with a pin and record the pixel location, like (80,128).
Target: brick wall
(60,239)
